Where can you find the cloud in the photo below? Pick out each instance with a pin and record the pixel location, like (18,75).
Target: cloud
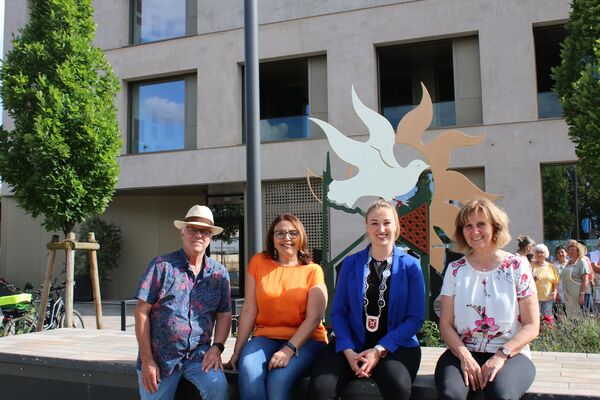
(164,109)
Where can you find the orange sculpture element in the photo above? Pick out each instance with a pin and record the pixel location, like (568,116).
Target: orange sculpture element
(448,185)
(414,227)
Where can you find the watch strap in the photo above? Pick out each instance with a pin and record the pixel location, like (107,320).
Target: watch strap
(219,346)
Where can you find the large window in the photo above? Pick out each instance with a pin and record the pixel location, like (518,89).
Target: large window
(290,92)
(163,115)
(547,56)
(450,71)
(153,20)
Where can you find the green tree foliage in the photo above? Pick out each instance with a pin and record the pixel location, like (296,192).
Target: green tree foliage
(60,158)
(578,82)
(559,218)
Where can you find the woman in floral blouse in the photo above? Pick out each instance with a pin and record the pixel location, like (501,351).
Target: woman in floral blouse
(489,313)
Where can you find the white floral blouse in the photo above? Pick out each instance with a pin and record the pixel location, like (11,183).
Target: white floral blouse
(486,307)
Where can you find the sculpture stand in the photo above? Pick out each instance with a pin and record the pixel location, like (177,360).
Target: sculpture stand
(70,245)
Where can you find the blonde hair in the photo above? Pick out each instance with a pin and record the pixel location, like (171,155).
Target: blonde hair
(494,215)
(580,249)
(384,204)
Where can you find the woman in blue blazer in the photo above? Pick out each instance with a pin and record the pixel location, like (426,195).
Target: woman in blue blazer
(378,308)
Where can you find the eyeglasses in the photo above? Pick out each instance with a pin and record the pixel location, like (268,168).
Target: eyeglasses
(206,233)
(282,234)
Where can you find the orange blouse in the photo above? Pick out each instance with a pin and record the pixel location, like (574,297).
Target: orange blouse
(282,296)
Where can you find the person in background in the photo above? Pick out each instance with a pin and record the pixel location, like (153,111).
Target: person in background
(595,262)
(489,313)
(588,302)
(525,246)
(283,309)
(574,278)
(546,281)
(182,297)
(378,308)
(560,261)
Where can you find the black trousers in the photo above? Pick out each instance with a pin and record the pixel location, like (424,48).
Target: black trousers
(511,382)
(393,374)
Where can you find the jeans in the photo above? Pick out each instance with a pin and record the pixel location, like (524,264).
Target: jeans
(546,307)
(258,383)
(211,385)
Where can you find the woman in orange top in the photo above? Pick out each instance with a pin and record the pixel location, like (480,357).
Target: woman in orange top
(285,300)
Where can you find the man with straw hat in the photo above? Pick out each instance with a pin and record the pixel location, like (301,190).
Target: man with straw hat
(182,296)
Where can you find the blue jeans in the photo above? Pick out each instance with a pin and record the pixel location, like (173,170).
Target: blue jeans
(211,385)
(258,383)
(546,307)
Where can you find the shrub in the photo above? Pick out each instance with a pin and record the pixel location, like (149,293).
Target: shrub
(108,235)
(430,335)
(573,335)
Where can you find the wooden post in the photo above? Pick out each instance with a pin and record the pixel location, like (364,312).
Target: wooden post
(70,273)
(46,289)
(95,282)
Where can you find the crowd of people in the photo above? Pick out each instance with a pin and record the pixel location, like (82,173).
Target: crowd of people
(568,283)
(490,311)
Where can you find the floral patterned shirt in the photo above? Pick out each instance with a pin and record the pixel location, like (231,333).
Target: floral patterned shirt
(184,307)
(486,304)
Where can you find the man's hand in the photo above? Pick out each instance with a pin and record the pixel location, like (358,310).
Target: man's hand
(355,363)
(212,360)
(150,375)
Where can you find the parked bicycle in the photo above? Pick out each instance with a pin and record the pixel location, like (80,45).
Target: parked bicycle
(21,315)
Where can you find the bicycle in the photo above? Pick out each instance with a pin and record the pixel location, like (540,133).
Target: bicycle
(16,310)
(55,310)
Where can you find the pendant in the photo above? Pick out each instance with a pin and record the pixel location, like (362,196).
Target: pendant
(372,323)
(386,273)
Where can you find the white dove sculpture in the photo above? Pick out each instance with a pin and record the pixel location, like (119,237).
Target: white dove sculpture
(379,174)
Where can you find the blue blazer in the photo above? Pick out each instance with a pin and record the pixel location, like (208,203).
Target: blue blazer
(406,309)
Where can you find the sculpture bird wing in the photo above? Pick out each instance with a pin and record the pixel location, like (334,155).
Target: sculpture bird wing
(349,150)
(381,133)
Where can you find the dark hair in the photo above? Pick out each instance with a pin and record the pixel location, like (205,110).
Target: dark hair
(523,241)
(559,248)
(303,253)
(495,215)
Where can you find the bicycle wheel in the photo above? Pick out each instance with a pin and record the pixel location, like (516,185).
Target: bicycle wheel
(76,323)
(20,325)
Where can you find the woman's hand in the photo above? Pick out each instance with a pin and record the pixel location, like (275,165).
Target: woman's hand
(471,372)
(233,362)
(356,363)
(280,358)
(581,298)
(372,358)
(490,368)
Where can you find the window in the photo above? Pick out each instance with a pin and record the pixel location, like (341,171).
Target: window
(547,55)
(163,115)
(153,20)
(450,71)
(290,92)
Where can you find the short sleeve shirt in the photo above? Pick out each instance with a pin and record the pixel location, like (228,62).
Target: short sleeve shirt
(486,304)
(184,307)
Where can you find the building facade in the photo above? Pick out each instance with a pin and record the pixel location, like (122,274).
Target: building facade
(180,63)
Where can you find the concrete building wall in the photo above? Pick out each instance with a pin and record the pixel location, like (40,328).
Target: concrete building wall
(348,34)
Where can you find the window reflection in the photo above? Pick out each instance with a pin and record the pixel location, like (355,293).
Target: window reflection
(547,56)
(159,116)
(158,19)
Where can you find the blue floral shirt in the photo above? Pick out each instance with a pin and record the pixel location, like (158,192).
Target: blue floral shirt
(184,307)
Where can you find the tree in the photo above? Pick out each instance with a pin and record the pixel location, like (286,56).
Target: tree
(60,158)
(558,202)
(578,83)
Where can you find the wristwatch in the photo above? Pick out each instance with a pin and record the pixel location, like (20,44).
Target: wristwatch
(219,346)
(382,350)
(292,346)
(505,351)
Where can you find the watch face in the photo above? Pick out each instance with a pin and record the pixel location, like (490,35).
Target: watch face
(505,351)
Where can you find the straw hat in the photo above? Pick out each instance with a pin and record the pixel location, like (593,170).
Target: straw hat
(199,216)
